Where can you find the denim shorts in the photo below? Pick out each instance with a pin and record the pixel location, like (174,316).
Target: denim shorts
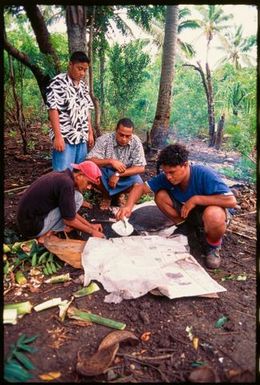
(73,153)
(123,184)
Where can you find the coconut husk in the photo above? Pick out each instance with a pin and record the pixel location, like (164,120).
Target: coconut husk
(68,250)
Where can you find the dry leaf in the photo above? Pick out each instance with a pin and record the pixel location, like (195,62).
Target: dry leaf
(203,374)
(68,250)
(34,289)
(117,360)
(35,271)
(49,376)
(240,375)
(145,336)
(195,343)
(117,336)
(100,361)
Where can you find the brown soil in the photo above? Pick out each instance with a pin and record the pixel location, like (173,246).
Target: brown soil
(230,351)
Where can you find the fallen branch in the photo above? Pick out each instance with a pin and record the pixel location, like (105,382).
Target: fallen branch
(243,312)
(155,358)
(139,361)
(238,225)
(230,357)
(242,235)
(247,213)
(17,189)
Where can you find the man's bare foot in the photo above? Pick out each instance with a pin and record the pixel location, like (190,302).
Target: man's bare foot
(105,204)
(87,205)
(121,200)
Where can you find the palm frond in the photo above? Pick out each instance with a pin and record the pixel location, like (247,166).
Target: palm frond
(183,12)
(249,43)
(188,24)
(187,49)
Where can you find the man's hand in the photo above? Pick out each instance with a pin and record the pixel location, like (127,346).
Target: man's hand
(58,143)
(90,139)
(113,180)
(97,234)
(117,165)
(97,231)
(123,212)
(97,227)
(187,207)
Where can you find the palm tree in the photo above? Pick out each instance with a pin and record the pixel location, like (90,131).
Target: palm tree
(156,25)
(212,23)
(162,116)
(156,29)
(237,48)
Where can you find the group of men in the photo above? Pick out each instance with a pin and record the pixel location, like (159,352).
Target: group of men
(183,192)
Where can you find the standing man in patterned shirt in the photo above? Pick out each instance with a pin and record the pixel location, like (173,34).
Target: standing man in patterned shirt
(120,156)
(68,103)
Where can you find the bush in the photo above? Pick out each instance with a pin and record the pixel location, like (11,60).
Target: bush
(244,170)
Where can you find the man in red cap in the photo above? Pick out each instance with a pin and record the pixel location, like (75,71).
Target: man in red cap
(52,202)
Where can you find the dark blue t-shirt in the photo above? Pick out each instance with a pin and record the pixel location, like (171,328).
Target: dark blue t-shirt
(203,181)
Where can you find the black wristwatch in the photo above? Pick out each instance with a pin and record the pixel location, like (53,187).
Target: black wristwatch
(116,173)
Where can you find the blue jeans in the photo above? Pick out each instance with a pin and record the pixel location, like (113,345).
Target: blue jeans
(73,153)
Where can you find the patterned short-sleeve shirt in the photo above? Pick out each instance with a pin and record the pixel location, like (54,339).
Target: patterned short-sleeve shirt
(106,147)
(73,103)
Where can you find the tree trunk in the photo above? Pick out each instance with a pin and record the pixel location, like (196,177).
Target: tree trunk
(162,117)
(211,112)
(43,39)
(101,77)
(19,112)
(76,28)
(41,33)
(219,135)
(41,78)
(91,85)
(207,84)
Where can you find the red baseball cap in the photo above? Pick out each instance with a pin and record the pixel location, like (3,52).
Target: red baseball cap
(90,169)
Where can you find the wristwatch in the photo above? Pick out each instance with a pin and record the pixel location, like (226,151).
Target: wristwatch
(116,173)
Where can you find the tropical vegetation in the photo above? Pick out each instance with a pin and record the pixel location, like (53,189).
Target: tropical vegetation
(152,79)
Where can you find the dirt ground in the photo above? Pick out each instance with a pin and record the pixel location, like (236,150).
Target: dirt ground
(167,355)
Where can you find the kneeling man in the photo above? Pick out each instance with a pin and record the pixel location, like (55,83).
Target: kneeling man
(52,202)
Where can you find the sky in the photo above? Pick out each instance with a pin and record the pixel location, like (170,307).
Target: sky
(242,14)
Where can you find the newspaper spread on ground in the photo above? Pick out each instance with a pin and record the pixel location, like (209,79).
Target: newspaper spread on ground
(129,267)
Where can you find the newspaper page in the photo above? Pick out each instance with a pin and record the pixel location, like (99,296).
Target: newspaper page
(129,267)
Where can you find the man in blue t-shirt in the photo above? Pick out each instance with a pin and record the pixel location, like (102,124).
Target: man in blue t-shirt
(186,191)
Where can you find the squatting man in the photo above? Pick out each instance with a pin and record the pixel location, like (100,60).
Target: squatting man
(120,156)
(188,192)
